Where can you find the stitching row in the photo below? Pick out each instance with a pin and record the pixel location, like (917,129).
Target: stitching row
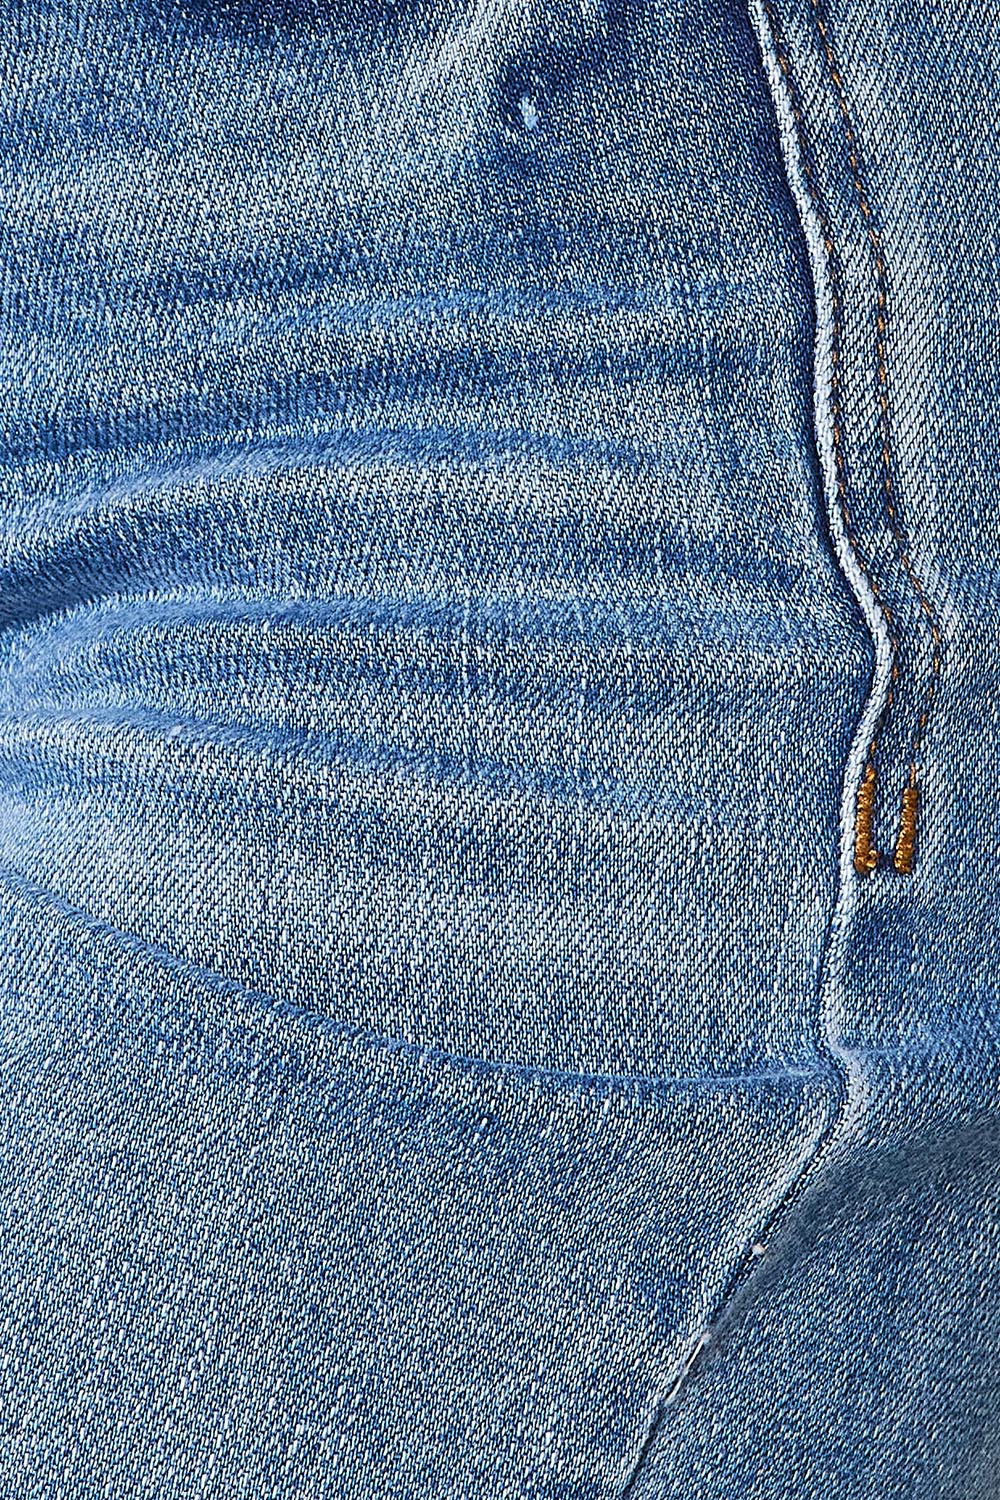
(906,838)
(866,856)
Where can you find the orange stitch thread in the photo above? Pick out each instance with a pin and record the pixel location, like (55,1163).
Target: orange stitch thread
(907,828)
(903,857)
(866,856)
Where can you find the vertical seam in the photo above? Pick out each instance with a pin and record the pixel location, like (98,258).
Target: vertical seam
(846,1082)
(848,1098)
(845,1099)
(904,851)
(866,855)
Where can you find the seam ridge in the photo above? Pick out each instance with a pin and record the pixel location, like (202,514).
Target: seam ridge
(828,265)
(852,1087)
(903,856)
(846,1074)
(849,1087)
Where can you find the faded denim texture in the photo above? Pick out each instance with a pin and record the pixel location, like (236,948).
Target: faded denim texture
(489,492)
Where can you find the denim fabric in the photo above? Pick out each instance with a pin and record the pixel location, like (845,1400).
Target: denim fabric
(499,508)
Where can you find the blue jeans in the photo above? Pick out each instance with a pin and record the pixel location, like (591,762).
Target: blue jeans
(499,725)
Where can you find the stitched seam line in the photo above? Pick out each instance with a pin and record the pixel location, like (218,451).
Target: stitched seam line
(866,856)
(764,20)
(277,1018)
(903,858)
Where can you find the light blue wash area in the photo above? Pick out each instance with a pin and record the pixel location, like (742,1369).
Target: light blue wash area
(500,750)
